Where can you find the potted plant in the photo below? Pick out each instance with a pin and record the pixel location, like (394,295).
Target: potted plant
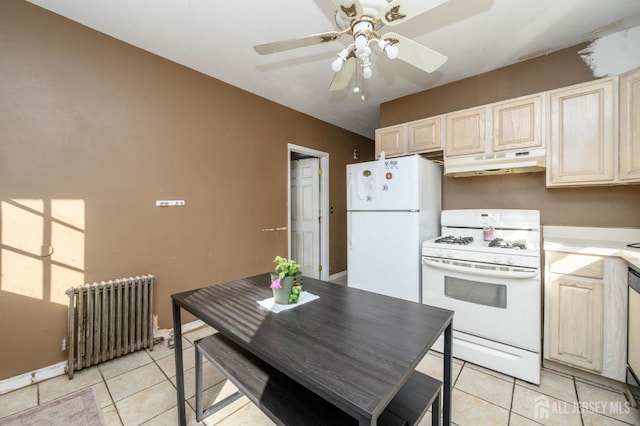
(282,279)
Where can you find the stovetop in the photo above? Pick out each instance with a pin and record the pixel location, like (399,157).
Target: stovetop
(513,237)
(496,242)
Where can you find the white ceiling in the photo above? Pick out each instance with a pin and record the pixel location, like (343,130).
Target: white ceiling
(217,37)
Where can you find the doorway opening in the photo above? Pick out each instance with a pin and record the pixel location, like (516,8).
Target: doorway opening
(308,213)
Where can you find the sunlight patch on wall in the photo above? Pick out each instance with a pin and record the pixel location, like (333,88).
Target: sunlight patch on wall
(22,229)
(70,212)
(21,274)
(42,247)
(61,279)
(68,246)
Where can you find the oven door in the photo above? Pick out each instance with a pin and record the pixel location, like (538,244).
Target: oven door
(495,302)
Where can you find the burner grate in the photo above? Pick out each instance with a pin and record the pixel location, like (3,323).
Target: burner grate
(502,243)
(450,239)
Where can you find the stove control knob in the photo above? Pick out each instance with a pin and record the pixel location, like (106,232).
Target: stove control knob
(497,259)
(511,260)
(449,254)
(440,253)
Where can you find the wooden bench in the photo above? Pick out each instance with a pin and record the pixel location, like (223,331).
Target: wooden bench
(286,402)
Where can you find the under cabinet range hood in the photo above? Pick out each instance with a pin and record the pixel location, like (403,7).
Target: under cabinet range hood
(525,161)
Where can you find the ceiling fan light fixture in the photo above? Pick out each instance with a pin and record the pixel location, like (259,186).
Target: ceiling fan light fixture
(367,72)
(363,53)
(361,41)
(362,20)
(336,65)
(390,49)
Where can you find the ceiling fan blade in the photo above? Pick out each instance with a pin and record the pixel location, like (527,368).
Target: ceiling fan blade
(342,78)
(416,54)
(399,11)
(294,43)
(351,8)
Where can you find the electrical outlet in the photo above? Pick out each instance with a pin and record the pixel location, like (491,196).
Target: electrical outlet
(64,344)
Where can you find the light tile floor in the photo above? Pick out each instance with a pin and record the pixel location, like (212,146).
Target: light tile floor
(140,389)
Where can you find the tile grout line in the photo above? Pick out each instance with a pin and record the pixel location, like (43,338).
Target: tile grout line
(513,391)
(113,401)
(575,387)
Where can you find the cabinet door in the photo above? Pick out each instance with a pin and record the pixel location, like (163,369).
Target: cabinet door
(575,321)
(582,134)
(630,126)
(390,140)
(517,124)
(425,135)
(465,132)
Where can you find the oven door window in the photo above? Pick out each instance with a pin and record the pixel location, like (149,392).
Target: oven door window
(480,293)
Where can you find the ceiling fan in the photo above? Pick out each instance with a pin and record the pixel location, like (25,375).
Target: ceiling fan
(362,19)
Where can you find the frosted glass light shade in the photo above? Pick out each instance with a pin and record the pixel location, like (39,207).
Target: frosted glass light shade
(337,64)
(392,51)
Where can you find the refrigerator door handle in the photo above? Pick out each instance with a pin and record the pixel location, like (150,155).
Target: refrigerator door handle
(349,177)
(349,230)
(349,240)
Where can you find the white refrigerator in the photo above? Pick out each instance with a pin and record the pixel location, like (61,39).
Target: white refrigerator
(393,205)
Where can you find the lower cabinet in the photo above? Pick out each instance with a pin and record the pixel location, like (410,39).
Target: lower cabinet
(575,321)
(585,312)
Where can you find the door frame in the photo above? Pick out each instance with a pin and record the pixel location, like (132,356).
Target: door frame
(324,203)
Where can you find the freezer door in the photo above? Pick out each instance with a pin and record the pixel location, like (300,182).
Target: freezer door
(383,253)
(390,184)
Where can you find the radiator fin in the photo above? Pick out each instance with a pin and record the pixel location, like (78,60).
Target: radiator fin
(109,319)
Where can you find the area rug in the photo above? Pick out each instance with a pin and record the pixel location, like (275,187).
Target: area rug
(76,409)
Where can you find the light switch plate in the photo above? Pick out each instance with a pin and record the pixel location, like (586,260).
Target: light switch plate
(169,203)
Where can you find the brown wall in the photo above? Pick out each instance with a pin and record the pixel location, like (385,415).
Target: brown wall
(92,132)
(617,206)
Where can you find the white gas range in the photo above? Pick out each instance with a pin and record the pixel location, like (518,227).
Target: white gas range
(486,268)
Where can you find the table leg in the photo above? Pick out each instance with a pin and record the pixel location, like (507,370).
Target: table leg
(177,336)
(446,382)
(367,421)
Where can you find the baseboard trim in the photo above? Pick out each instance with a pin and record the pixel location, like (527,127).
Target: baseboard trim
(337,275)
(51,371)
(35,376)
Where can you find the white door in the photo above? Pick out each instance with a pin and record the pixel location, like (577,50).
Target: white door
(305,215)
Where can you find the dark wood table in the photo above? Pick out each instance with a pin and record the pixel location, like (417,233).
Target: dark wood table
(353,348)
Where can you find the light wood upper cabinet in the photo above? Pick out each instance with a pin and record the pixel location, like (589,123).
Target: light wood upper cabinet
(629,155)
(517,124)
(391,140)
(465,132)
(425,135)
(582,139)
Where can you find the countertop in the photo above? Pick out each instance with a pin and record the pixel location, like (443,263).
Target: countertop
(600,241)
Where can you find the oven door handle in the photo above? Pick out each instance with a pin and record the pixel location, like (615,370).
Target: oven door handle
(480,271)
